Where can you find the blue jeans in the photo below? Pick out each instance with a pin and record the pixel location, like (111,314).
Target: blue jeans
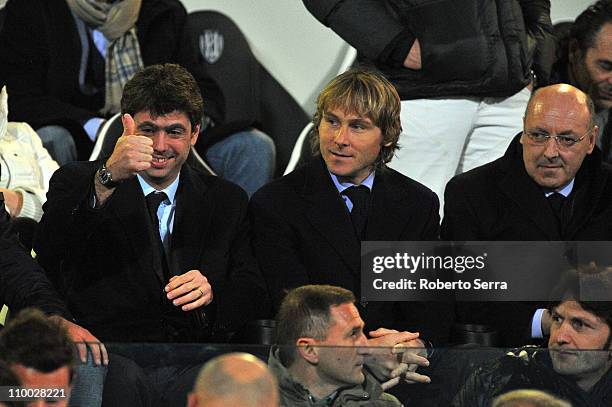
(246,158)
(88,384)
(59,143)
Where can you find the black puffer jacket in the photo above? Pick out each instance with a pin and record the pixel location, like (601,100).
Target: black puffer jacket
(468,47)
(533,370)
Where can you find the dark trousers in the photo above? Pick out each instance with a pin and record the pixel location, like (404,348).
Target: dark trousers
(148,385)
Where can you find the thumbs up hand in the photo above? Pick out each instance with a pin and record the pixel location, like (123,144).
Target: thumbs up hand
(132,153)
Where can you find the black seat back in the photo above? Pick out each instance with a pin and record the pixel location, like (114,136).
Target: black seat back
(252,96)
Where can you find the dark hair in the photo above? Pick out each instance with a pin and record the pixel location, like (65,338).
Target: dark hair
(591,287)
(367,93)
(32,340)
(8,378)
(163,89)
(589,22)
(305,312)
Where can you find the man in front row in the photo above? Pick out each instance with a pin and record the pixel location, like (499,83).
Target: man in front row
(40,353)
(308,225)
(322,351)
(578,364)
(145,248)
(234,379)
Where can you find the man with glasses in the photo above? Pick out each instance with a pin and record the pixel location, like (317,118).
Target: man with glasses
(549,185)
(584,59)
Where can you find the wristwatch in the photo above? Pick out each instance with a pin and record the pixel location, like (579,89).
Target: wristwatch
(105,177)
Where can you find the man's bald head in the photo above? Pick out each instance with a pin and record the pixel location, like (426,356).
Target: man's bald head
(234,379)
(558,133)
(562,93)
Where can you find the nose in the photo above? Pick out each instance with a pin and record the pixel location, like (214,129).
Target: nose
(362,345)
(159,141)
(561,335)
(552,148)
(341,136)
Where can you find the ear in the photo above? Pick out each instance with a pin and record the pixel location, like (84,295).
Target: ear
(523,132)
(307,350)
(593,138)
(574,51)
(192,400)
(194,134)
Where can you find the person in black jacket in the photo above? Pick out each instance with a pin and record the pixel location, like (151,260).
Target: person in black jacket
(550,185)
(463,70)
(24,284)
(584,60)
(578,364)
(66,61)
(308,225)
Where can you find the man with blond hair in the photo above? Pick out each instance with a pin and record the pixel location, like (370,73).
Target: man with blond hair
(308,225)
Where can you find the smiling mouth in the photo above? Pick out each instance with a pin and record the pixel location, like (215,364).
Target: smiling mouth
(160,161)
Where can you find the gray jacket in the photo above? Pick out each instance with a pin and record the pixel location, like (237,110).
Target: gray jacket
(293,394)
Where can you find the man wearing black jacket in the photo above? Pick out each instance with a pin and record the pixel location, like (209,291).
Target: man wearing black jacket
(462,69)
(578,364)
(550,185)
(584,60)
(66,61)
(23,283)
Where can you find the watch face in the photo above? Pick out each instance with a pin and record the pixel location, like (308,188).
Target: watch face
(105,176)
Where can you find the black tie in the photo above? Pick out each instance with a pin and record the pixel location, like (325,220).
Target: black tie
(154,199)
(556,203)
(360,197)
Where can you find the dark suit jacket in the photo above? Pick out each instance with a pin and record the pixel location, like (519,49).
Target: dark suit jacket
(302,234)
(499,201)
(41,54)
(103,260)
(23,283)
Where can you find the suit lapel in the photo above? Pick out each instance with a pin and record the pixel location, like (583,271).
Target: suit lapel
(522,190)
(386,218)
(326,211)
(588,188)
(194,212)
(129,207)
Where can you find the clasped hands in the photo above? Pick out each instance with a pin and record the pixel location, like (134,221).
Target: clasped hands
(395,356)
(189,291)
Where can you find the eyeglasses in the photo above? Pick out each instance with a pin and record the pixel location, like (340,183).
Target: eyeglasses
(541,139)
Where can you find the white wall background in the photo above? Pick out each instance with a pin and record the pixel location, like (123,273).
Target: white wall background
(300,52)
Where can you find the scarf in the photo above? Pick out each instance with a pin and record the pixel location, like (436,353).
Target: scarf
(123,59)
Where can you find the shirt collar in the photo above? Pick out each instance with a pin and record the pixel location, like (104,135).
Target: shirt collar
(565,191)
(341,186)
(170,190)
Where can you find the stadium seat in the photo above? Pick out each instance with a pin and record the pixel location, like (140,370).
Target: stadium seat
(253,97)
